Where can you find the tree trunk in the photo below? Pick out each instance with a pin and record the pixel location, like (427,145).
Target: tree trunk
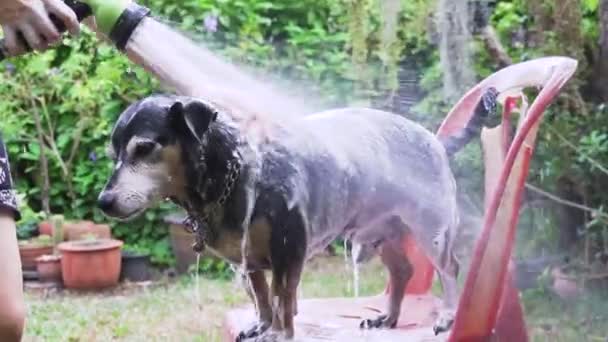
(570,220)
(601,74)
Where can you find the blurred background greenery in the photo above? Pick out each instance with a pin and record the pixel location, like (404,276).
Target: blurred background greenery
(57,108)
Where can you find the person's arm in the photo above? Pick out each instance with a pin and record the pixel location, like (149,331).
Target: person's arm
(31,19)
(12,306)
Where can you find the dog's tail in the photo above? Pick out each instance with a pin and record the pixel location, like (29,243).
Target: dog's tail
(484,109)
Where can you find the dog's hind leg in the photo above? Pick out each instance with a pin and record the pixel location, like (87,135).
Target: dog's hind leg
(448,275)
(400,271)
(434,228)
(259,293)
(440,250)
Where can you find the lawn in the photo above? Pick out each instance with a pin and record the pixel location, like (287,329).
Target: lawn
(172,311)
(169,311)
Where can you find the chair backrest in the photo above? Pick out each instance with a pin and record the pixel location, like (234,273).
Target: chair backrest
(489,303)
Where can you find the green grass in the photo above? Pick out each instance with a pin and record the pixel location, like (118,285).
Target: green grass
(169,311)
(553,320)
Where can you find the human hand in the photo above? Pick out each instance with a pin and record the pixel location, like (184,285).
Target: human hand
(31,20)
(8,200)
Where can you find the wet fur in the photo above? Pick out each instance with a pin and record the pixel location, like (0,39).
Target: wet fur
(362,174)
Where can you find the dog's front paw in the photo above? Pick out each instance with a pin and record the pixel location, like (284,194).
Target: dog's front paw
(256,330)
(383,321)
(444,322)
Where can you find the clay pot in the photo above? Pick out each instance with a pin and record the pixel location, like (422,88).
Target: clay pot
(90,264)
(49,268)
(80,230)
(29,251)
(45,228)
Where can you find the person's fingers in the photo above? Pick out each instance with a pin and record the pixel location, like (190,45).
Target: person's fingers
(32,37)
(46,28)
(12,44)
(65,14)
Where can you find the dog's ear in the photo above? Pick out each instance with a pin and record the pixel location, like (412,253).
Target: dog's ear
(193,117)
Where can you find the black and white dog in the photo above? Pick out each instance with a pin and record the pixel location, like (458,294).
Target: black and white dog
(269,204)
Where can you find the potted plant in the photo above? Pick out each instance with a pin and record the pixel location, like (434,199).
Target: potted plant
(32,248)
(135,264)
(90,263)
(76,230)
(45,228)
(49,265)
(79,230)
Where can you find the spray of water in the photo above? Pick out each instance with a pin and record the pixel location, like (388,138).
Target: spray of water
(355,253)
(198,284)
(347,262)
(188,68)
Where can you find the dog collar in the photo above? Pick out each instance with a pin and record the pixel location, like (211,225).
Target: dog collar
(199,224)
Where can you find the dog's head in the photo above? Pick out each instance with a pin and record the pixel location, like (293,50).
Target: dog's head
(146,146)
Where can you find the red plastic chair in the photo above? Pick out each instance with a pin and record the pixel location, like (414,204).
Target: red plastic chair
(489,304)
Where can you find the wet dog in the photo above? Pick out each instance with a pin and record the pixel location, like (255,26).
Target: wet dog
(269,204)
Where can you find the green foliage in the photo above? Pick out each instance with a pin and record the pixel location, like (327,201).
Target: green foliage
(213,268)
(39,241)
(77,92)
(299,41)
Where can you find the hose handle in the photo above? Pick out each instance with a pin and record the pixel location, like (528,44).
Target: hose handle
(81,10)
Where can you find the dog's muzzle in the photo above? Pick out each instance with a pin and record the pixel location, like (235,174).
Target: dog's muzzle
(106,201)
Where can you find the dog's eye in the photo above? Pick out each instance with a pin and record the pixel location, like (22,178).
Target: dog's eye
(144,148)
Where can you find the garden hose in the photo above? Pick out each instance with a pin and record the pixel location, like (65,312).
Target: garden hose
(116,19)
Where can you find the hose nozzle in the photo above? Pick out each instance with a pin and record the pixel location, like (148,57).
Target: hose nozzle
(117,19)
(81,10)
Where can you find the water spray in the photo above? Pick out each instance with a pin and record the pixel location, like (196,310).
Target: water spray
(117,19)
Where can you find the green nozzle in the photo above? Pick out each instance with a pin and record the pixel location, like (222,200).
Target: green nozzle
(107,12)
(117,19)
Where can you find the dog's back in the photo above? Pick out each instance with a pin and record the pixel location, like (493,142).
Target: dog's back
(357,167)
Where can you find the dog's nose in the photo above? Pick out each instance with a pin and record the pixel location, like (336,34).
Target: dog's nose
(106,200)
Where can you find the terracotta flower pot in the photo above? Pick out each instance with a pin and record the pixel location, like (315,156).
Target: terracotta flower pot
(90,264)
(49,268)
(83,229)
(45,228)
(29,251)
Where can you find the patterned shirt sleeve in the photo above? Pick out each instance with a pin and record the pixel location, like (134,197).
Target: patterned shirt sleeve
(8,199)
